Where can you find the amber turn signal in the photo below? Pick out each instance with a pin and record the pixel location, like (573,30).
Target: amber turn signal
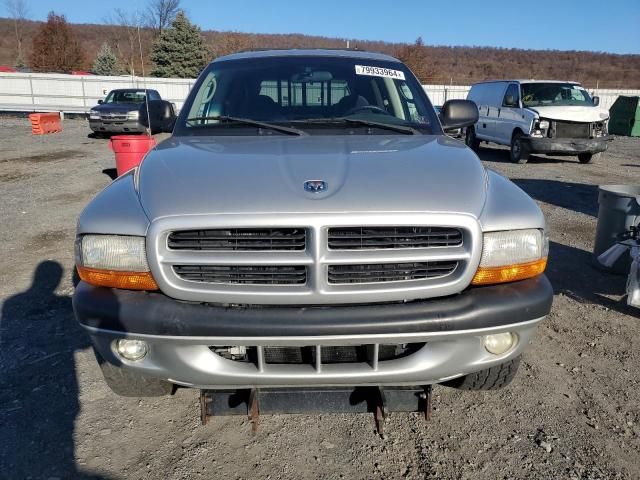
(509,273)
(117,279)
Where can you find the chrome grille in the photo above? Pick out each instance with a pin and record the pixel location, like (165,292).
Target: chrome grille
(243,274)
(427,255)
(389,272)
(238,239)
(362,238)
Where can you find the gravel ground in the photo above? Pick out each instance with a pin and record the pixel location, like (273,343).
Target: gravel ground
(572,412)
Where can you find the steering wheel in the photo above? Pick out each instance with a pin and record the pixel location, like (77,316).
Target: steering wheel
(373,108)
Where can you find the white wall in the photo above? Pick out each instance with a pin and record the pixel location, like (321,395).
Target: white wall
(31,92)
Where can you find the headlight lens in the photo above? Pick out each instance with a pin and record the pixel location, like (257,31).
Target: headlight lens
(94,114)
(543,124)
(133,115)
(512,255)
(114,261)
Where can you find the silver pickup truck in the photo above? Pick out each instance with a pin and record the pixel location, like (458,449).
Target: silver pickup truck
(309,227)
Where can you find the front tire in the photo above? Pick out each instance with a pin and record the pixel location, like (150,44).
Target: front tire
(588,157)
(471,140)
(490,379)
(126,383)
(519,152)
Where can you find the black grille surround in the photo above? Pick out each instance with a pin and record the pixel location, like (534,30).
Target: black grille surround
(389,272)
(238,239)
(370,238)
(563,129)
(243,274)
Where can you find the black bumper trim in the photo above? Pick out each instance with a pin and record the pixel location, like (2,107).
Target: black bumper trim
(568,145)
(157,314)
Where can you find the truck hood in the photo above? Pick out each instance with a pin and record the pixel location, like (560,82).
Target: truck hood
(572,113)
(117,107)
(253,175)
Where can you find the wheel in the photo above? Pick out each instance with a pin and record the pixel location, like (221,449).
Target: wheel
(490,379)
(519,152)
(471,140)
(588,157)
(131,384)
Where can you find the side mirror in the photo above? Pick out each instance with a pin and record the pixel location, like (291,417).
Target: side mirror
(100,102)
(510,101)
(458,114)
(161,116)
(596,101)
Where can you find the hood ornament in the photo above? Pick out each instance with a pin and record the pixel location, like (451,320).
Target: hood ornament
(315,186)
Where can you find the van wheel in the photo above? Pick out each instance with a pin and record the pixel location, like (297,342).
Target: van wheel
(588,157)
(490,379)
(519,152)
(471,140)
(126,383)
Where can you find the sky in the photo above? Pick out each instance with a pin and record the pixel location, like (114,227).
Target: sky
(596,25)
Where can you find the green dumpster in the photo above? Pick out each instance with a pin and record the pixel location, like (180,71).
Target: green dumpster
(624,116)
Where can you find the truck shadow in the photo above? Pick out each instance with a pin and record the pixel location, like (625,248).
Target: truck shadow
(573,274)
(579,197)
(38,380)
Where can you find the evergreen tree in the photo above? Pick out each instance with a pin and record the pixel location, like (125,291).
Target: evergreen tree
(55,47)
(106,62)
(180,51)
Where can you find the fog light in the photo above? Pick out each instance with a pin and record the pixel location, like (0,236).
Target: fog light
(132,350)
(499,343)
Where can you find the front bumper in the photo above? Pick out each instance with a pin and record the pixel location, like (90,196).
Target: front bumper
(116,126)
(180,335)
(568,146)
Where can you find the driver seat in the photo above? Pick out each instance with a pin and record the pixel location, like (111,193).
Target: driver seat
(349,103)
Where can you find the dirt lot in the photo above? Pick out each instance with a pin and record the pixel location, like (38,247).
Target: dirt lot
(573,411)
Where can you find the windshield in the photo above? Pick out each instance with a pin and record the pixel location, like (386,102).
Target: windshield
(125,96)
(554,94)
(318,95)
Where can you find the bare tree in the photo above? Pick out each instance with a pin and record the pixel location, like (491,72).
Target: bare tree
(160,14)
(123,33)
(19,12)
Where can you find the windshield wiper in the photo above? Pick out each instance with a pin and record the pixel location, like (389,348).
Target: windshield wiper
(248,121)
(368,123)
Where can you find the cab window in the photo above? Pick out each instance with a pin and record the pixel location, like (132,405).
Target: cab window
(511,96)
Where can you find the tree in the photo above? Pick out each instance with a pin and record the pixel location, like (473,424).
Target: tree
(417,58)
(106,62)
(180,50)
(55,47)
(124,28)
(18,12)
(161,13)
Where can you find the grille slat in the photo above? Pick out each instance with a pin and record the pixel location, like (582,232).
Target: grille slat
(239,239)
(390,272)
(363,238)
(242,274)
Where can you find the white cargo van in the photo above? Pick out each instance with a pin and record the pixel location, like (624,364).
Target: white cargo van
(539,116)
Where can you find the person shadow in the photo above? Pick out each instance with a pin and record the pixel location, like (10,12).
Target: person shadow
(39,394)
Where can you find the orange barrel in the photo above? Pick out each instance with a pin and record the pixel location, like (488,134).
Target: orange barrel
(130,150)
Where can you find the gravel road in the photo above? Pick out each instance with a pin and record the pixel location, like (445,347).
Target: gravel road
(573,411)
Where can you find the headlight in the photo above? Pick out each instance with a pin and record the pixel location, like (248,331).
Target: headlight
(543,124)
(133,115)
(512,255)
(114,261)
(94,114)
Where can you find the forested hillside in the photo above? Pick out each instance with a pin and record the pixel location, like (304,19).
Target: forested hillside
(433,64)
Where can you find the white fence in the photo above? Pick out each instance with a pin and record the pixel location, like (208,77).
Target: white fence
(30,92)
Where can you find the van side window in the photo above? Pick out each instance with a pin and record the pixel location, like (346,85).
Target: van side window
(511,96)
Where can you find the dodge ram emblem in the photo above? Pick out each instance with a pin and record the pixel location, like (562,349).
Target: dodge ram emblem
(315,186)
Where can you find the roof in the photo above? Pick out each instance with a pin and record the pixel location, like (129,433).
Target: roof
(527,80)
(315,52)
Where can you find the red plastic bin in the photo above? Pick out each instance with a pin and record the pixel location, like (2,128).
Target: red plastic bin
(130,150)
